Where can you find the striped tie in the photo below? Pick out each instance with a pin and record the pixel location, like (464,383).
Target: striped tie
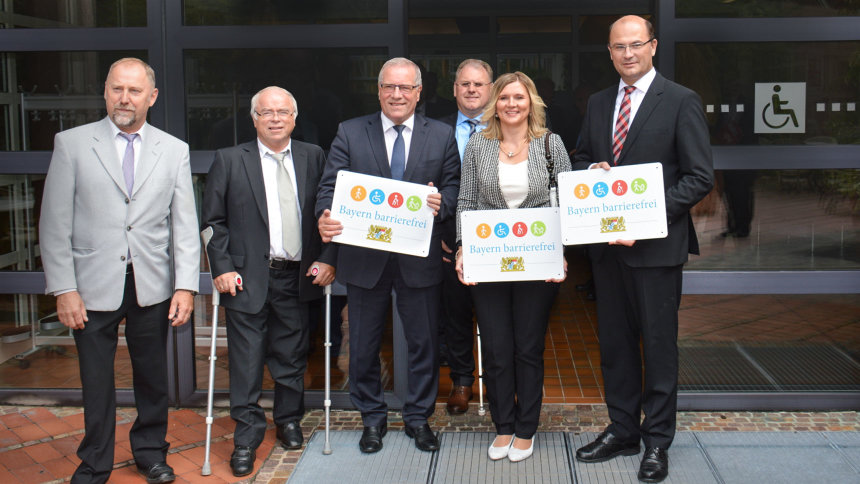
(622,124)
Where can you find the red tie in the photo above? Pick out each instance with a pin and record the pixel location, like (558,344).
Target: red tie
(621,124)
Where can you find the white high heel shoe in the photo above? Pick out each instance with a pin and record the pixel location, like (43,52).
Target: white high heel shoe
(498,453)
(516,455)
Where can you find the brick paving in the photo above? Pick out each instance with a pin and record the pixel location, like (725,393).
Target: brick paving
(38,444)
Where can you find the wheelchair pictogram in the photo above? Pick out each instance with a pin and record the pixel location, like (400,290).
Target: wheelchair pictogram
(776,106)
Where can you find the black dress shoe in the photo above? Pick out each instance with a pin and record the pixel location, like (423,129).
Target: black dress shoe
(425,439)
(654,466)
(157,473)
(242,460)
(371,438)
(290,435)
(605,447)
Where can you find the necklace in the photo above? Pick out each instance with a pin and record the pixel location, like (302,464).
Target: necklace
(511,154)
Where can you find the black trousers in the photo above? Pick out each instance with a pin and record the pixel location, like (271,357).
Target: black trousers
(513,317)
(277,336)
(633,304)
(458,327)
(146,334)
(420,313)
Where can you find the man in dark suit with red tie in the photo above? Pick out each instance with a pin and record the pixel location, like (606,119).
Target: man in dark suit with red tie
(394,143)
(646,118)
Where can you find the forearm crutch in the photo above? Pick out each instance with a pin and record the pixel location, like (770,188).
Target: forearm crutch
(216,299)
(481,410)
(207,469)
(327,401)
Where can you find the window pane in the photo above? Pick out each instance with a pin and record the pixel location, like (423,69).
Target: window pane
(330,85)
(236,12)
(766,8)
(769,343)
(59,90)
(779,220)
(775,92)
(73,13)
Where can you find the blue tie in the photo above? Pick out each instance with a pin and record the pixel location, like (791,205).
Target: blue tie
(473,124)
(398,155)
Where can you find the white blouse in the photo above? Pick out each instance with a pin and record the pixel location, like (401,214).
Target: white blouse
(514,182)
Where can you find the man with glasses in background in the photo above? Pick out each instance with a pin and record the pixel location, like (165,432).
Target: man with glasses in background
(399,144)
(472,85)
(643,119)
(259,201)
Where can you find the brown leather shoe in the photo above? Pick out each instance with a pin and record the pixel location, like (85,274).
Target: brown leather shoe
(458,402)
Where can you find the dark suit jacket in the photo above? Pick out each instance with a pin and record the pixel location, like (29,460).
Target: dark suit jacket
(234,205)
(669,127)
(360,147)
(449,227)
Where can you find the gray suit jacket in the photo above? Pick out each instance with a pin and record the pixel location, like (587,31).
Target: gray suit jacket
(479,183)
(89,222)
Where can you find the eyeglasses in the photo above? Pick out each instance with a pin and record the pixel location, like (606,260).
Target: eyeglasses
(635,46)
(468,84)
(269,114)
(404,88)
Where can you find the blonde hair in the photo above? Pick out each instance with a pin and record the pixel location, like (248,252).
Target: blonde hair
(537,110)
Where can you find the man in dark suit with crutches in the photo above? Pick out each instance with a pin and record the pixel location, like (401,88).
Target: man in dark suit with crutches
(259,201)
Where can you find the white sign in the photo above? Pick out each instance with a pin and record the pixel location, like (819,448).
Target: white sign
(512,245)
(626,202)
(780,107)
(384,214)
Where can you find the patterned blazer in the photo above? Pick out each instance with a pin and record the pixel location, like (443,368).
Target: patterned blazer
(479,179)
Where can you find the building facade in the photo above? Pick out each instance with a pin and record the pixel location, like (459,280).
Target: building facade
(771,316)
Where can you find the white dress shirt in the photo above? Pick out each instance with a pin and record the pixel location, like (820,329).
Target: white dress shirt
(391,135)
(273,201)
(636,97)
(120,143)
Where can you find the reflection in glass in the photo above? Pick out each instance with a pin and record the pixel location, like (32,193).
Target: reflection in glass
(52,14)
(766,8)
(234,12)
(780,220)
(769,343)
(330,85)
(725,75)
(57,91)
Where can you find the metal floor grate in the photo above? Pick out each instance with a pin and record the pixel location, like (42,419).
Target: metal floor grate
(695,457)
(463,458)
(780,367)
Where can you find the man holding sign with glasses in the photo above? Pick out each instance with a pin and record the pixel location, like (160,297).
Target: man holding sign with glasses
(394,144)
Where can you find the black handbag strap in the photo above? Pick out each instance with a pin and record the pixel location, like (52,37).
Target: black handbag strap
(550,164)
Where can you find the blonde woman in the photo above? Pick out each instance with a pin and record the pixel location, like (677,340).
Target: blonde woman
(505,166)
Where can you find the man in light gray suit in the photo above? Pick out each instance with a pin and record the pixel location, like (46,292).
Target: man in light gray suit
(119,241)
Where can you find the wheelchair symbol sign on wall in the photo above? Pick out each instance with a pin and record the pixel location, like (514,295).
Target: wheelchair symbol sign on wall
(780,107)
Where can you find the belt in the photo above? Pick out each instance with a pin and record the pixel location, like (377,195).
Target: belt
(283,264)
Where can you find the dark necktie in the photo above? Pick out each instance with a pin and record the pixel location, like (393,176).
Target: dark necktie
(398,155)
(128,161)
(473,123)
(290,230)
(622,124)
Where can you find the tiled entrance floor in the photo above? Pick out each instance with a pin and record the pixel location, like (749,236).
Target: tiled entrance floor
(38,444)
